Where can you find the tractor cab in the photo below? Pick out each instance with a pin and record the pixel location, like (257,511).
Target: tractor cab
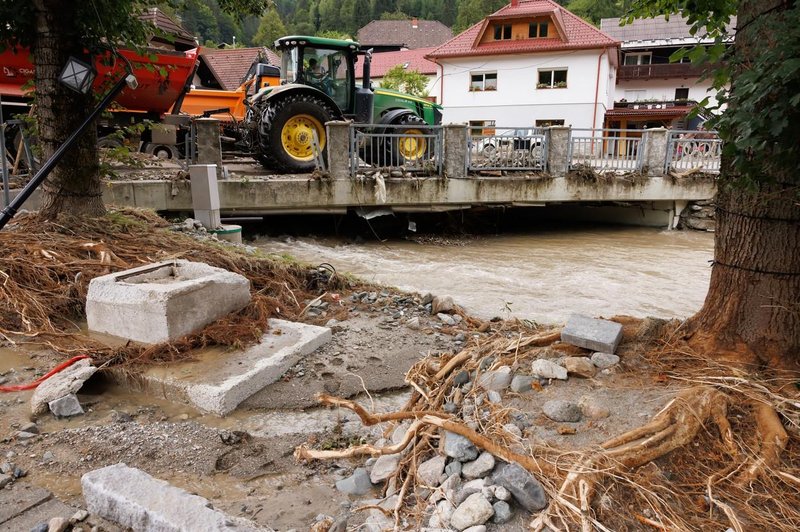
(328,65)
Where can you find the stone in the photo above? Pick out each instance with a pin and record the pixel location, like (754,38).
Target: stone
(461,378)
(48,457)
(475,510)
(604,360)
(453,468)
(22,435)
(80,515)
(448,489)
(497,380)
(63,383)
(522,383)
(480,467)
(442,305)
(476,528)
(591,333)
(163,301)
(468,488)
(513,429)
(562,411)
(430,471)
(459,447)
(547,369)
(41,527)
(494,397)
(414,324)
(5,480)
(134,499)
(57,524)
(502,493)
(580,366)
(31,428)
(384,467)
(358,483)
(66,406)
(525,489)
(447,319)
(591,409)
(442,513)
(502,513)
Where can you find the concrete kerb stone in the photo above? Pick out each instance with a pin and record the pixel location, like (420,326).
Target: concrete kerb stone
(163,301)
(218,383)
(591,333)
(132,498)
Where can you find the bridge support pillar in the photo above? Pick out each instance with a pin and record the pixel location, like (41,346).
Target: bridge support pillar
(339,149)
(677,209)
(655,151)
(208,142)
(558,150)
(455,151)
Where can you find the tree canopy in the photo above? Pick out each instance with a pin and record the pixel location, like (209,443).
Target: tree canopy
(408,81)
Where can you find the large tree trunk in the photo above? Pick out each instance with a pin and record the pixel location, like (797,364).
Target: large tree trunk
(752,310)
(73,188)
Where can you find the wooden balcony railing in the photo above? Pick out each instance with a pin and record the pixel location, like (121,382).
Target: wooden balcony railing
(668,70)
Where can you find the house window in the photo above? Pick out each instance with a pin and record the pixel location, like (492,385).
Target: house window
(552,78)
(484,81)
(537,29)
(502,32)
(643,58)
(549,122)
(635,95)
(682,94)
(481,128)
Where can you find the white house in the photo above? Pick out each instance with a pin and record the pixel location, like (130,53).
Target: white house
(650,90)
(532,63)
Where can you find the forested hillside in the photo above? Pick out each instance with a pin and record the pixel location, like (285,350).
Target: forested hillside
(343,18)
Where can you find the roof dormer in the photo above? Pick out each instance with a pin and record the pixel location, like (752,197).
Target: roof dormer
(511,26)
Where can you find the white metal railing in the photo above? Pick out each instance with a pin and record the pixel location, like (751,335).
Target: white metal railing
(409,148)
(607,150)
(694,150)
(507,148)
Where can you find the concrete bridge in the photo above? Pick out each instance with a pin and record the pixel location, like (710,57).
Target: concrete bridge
(560,171)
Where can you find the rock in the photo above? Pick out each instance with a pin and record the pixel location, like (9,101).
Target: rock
(64,383)
(548,370)
(450,407)
(580,366)
(592,409)
(449,487)
(18,472)
(526,490)
(476,528)
(427,299)
(414,324)
(6,467)
(442,305)
(604,360)
(497,380)
(48,457)
(494,397)
(5,480)
(23,435)
(511,428)
(339,525)
(77,517)
(442,514)
(459,447)
(461,378)
(453,468)
(502,513)
(41,527)
(562,411)
(430,471)
(400,432)
(502,493)
(32,428)
(480,467)
(359,483)
(473,486)
(447,319)
(66,406)
(384,467)
(475,510)
(57,524)
(522,383)
(591,333)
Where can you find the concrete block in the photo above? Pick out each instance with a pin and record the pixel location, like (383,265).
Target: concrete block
(19,499)
(66,406)
(134,499)
(163,301)
(218,382)
(591,333)
(205,194)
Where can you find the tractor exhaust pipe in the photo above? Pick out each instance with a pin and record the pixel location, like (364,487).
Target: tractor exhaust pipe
(367,69)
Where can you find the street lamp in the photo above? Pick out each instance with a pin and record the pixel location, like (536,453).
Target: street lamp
(78,76)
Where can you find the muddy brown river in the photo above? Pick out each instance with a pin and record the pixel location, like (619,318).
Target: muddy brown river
(542,276)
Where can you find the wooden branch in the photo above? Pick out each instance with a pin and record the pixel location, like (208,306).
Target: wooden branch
(304,453)
(368,418)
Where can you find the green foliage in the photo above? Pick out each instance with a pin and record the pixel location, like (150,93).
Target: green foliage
(472,11)
(594,10)
(394,15)
(270,29)
(408,81)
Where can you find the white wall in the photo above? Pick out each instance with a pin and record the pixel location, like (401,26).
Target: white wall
(664,89)
(517,102)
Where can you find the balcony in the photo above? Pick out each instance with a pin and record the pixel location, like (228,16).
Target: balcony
(667,70)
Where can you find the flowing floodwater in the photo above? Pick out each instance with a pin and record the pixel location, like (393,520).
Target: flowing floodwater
(543,275)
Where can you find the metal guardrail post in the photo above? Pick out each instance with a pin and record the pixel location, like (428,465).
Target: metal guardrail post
(6,184)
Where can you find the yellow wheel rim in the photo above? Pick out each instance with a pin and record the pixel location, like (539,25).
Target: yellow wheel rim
(412,148)
(297,137)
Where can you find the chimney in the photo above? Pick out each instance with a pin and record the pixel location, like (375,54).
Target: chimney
(415,23)
(514,3)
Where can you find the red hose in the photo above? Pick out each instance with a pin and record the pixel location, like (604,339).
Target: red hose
(37,382)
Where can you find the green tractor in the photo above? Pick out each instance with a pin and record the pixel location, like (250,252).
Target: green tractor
(318,85)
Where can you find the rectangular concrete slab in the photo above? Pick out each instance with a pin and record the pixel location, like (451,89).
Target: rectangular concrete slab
(591,333)
(217,382)
(41,513)
(19,498)
(132,498)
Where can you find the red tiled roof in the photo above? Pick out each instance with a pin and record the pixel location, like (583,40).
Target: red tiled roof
(230,65)
(162,21)
(575,33)
(385,61)
(426,34)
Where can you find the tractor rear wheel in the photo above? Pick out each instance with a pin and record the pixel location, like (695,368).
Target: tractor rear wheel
(286,132)
(407,150)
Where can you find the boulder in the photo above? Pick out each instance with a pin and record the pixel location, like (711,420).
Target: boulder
(562,411)
(497,380)
(580,366)
(357,484)
(442,305)
(604,360)
(522,383)
(459,447)
(384,467)
(66,406)
(525,489)
(480,467)
(430,471)
(64,383)
(475,510)
(547,369)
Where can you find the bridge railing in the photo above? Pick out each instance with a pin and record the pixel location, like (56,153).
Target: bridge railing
(414,149)
(512,148)
(607,149)
(693,150)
